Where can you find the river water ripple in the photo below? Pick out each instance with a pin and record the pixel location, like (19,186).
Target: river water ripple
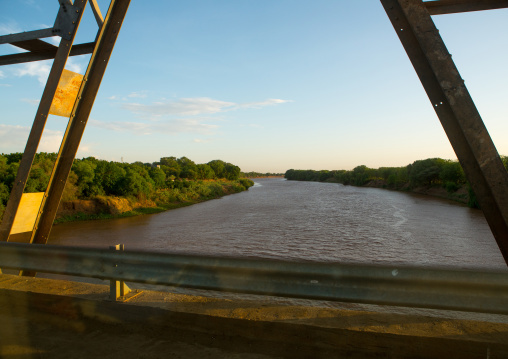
(307,221)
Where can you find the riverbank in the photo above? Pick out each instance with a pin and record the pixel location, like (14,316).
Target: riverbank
(460,195)
(106,207)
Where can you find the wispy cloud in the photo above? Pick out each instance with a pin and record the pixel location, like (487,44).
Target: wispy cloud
(10,27)
(194,106)
(1,74)
(182,107)
(187,115)
(200,140)
(269,102)
(31,101)
(39,69)
(55,40)
(13,139)
(194,125)
(137,95)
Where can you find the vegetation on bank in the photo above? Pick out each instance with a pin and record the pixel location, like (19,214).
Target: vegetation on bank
(432,172)
(253,174)
(157,186)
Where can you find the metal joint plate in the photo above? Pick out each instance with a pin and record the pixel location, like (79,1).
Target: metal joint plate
(66,20)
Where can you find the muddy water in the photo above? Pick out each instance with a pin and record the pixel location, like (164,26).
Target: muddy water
(307,221)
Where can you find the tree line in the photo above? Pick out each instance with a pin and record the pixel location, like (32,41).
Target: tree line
(253,174)
(91,177)
(421,173)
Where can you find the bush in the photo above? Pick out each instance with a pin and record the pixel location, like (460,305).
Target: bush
(451,187)
(245,182)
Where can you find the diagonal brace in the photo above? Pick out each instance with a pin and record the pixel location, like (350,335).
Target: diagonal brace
(456,111)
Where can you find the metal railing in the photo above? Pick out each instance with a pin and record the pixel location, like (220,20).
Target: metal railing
(464,290)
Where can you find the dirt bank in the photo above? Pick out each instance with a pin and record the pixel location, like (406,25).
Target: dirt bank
(100,205)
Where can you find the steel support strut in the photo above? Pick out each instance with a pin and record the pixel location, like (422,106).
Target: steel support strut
(456,111)
(79,117)
(455,6)
(62,54)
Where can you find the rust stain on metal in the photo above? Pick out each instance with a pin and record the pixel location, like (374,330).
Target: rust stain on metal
(66,93)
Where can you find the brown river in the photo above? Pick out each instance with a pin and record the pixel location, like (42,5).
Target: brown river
(307,221)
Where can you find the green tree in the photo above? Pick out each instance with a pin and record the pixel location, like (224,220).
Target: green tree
(217,167)
(158,177)
(425,172)
(189,168)
(204,172)
(231,172)
(107,179)
(170,166)
(85,170)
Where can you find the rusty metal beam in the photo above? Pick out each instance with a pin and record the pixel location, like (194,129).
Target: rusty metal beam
(456,111)
(456,6)
(81,49)
(27,35)
(35,45)
(34,138)
(79,117)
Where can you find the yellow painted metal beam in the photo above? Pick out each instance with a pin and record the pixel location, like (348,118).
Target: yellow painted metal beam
(27,212)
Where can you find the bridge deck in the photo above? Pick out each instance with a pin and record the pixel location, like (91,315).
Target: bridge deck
(55,318)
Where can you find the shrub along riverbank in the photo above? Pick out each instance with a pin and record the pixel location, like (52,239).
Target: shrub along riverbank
(102,189)
(433,176)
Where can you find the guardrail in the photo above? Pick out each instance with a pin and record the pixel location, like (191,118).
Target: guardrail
(464,290)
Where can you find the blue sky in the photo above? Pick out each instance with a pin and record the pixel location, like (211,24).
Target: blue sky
(266,85)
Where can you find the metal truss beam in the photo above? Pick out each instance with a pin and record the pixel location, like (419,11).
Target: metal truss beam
(34,138)
(28,35)
(97,13)
(81,49)
(35,45)
(455,6)
(79,117)
(456,111)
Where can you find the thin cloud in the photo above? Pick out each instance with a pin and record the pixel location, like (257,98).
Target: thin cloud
(39,69)
(1,74)
(55,40)
(167,127)
(73,65)
(186,115)
(269,102)
(31,101)
(10,27)
(13,139)
(194,106)
(137,95)
(182,107)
